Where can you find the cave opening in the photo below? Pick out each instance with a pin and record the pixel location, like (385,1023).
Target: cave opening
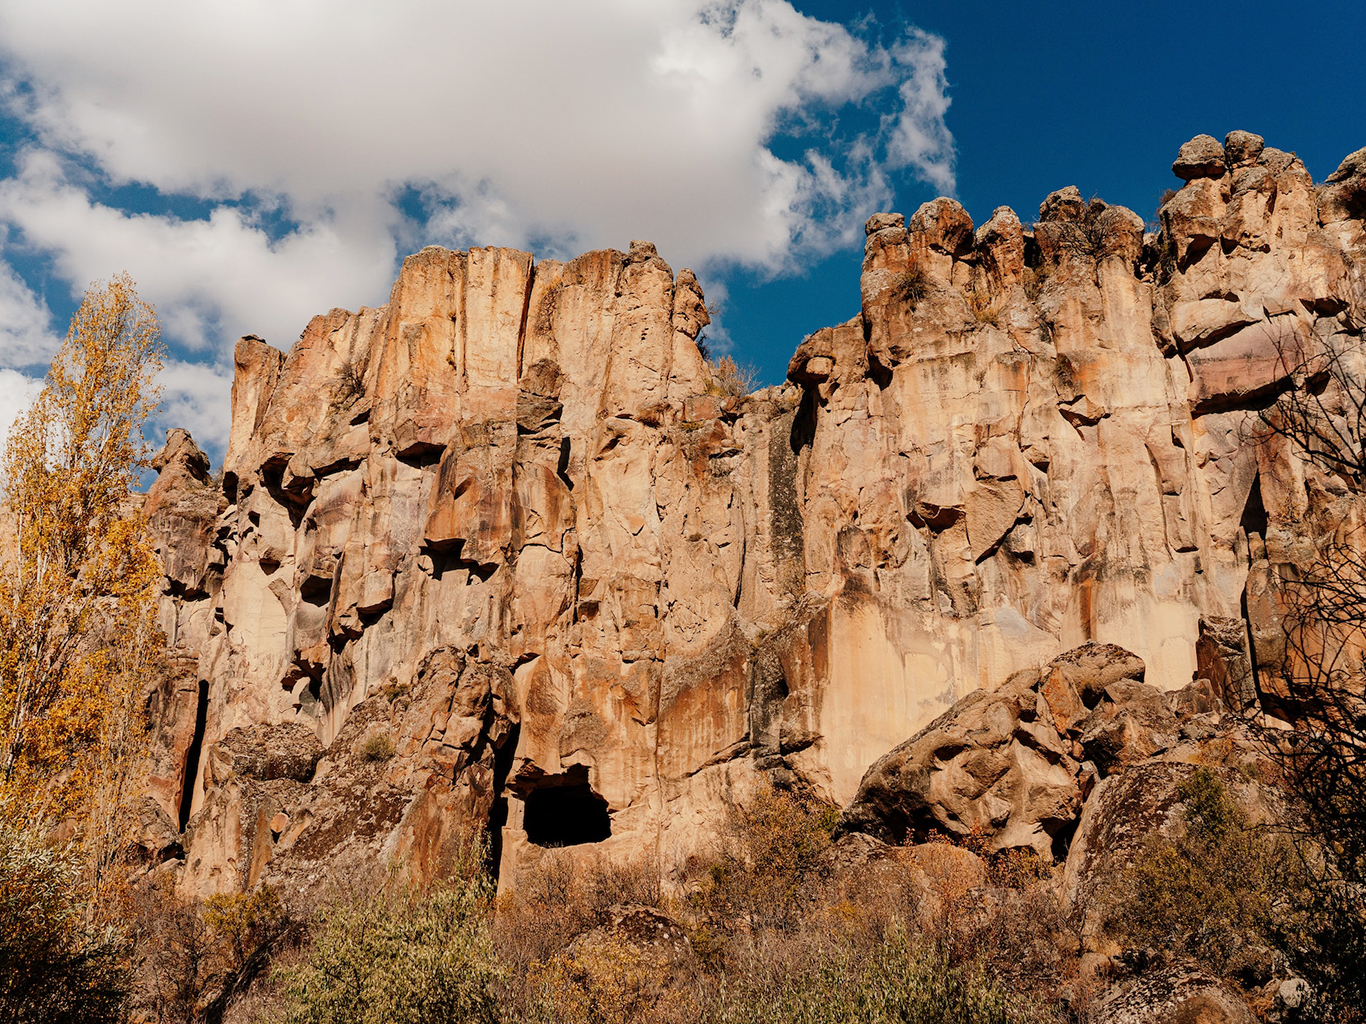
(201,717)
(563,810)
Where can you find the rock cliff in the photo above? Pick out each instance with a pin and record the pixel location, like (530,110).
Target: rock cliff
(502,551)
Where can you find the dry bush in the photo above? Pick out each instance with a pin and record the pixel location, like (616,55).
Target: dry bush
(982,307)
(349,386)
(1034,280)
(178,959)
(729,379)
(770,870)
(536,922)
(607,981)
(828,979)
(196,958)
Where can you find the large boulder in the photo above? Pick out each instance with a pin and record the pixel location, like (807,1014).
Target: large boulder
(1131,723)
(1128,810)
(290,750)
(1202,157)
(1006,766)
(993,765)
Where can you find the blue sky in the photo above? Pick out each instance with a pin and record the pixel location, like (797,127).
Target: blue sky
(254,163)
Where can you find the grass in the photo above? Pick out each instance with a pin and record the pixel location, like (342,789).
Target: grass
(981,307)
(912,285)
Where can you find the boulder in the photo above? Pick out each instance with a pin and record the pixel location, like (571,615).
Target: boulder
(265,752)
(1131,723)
(1089,670)
(1128,809)
(1241,149)
(1201,157)
(993,766)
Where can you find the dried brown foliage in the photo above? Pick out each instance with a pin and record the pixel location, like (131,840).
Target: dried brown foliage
(730,379)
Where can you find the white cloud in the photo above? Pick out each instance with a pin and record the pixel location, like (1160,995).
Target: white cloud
(198,398)
(920,138)
(198,273)
(26,337)
(17,393)
(552,126)
(603,120)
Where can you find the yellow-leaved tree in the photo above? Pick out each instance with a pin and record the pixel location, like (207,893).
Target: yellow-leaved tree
(79,580)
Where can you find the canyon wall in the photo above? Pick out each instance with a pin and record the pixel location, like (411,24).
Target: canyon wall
(504,552)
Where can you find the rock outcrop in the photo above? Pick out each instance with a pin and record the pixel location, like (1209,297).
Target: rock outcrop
(507,551)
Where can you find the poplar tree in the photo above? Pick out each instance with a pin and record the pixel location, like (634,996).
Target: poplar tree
(79,578)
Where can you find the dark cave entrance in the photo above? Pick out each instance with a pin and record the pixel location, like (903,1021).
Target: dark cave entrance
(563,810)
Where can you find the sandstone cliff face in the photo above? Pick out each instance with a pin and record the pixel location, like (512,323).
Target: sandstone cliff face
(505,528)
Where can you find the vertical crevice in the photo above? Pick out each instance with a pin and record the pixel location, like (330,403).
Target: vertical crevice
(1254,523)
(498,813)
(201,716)
(526,312)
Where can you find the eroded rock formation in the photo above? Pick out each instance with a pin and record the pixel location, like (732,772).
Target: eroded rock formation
(503,550)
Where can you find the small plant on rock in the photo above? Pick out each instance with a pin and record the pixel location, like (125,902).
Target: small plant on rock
(912,285)
(350,385)
(1220,889)
(729,379)
(377,747)
(981,307)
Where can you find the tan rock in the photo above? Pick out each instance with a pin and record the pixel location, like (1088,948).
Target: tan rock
(501,520)
(1201,157)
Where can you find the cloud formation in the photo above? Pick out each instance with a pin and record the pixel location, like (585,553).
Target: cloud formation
(326,137)
(16,393)
(26,337)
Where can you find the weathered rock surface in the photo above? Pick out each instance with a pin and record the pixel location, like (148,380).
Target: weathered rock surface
(506,523)
(1172,993)
(994,765)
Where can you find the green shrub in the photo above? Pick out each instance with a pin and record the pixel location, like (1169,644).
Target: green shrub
(400,955)
(54,967)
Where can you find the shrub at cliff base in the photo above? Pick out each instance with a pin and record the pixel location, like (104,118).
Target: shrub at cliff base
(1225,893)
(55,968)
(898,980)
(400,955)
